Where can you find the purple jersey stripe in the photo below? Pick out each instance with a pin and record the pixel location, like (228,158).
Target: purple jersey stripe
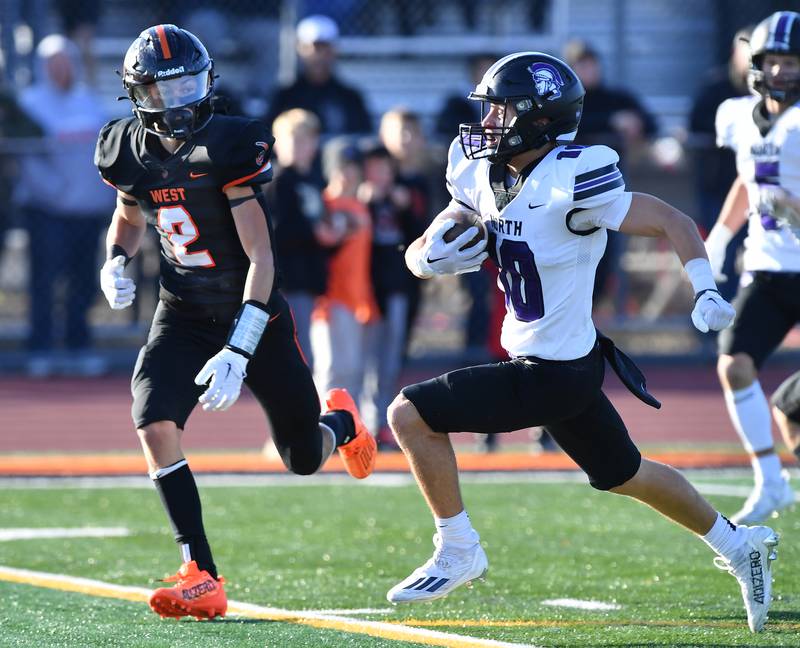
(607,186)
(592,183)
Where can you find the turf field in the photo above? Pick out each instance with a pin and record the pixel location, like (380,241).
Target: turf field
(310,565)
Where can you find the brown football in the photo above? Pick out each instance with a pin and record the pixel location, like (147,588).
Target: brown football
(463,221)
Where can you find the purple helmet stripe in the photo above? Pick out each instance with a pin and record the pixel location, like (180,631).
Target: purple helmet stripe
(779,38)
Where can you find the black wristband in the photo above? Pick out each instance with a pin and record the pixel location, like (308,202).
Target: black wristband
(235,202)
(126,201)
(703,292)
(117,250)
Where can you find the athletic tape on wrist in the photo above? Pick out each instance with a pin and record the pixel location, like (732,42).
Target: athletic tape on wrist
(248,327)
(700,275)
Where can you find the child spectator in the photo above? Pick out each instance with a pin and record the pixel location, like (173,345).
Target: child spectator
(341,316)
(393,227)
(295,202)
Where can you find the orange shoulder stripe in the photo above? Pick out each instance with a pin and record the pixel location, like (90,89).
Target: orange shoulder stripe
(239,181)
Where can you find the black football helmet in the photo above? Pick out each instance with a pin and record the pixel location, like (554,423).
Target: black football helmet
(537,86)
(169,77)
(777,34)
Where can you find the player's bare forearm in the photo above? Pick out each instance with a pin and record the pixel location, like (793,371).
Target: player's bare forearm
(251,225)
(260,278)
(733,214)
(649,216)
(127,226)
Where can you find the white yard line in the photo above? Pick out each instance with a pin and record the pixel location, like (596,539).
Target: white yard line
(6,535)
(579,604)
(315,619)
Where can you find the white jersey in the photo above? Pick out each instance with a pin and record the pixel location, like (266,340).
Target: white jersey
(771,159)
(547,242)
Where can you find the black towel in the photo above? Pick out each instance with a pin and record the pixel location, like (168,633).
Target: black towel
(630,375)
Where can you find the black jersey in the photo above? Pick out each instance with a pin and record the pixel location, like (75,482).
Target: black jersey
(182,196)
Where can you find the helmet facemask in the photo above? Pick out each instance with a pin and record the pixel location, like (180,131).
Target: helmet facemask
(176,107)
(517,134)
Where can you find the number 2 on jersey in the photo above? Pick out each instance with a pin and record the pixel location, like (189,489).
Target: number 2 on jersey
(521,281)
(181,231)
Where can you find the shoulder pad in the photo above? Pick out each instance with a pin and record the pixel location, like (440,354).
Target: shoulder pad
(241,149)
(729,113)
(114,155)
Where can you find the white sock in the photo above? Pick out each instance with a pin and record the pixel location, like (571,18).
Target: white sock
(457,530)
(750,415)
(725,538)
(767,468)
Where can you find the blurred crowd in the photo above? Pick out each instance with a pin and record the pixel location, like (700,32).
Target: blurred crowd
(351,190)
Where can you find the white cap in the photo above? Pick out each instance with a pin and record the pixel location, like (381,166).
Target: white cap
(317,29)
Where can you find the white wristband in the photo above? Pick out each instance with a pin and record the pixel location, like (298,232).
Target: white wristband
(720,235)
(700,275)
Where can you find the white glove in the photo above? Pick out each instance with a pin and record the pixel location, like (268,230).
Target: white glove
(712,312)
(716,247)
(438,257)
(226,371)
(119,291)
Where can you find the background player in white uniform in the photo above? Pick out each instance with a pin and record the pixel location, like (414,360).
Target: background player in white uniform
(764,132)
(547,208)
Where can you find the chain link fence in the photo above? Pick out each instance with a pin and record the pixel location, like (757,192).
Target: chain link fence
(395,52)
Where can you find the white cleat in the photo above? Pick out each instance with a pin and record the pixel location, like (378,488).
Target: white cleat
(447,569)
(753,569)
(764,501)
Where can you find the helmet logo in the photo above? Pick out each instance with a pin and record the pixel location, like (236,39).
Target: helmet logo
(262,154)
(170,71)
(547,80)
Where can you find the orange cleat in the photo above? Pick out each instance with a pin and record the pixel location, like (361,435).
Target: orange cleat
(195,593)
(359,453)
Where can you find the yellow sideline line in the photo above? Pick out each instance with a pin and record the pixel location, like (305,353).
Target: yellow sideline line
(391,631)
(574,623)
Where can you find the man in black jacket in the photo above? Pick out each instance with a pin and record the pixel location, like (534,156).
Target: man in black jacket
(340,108)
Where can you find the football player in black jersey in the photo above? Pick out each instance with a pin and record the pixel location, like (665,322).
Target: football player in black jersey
(195,176)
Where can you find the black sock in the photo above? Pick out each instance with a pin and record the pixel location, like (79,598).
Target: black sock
(341,422)
(181,500)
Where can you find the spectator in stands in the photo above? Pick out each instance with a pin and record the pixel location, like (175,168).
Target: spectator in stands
(616,118)
(611,116)
(79,20)
(65,207)
(342,314)
(401,133)
(340,108)
(295,201)
(715,168)
(393,228)
(15,127)
(457,109)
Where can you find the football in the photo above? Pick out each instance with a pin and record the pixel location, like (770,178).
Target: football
(463,221)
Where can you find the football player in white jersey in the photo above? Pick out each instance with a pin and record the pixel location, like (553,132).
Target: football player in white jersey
(764,132)
(547,205)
